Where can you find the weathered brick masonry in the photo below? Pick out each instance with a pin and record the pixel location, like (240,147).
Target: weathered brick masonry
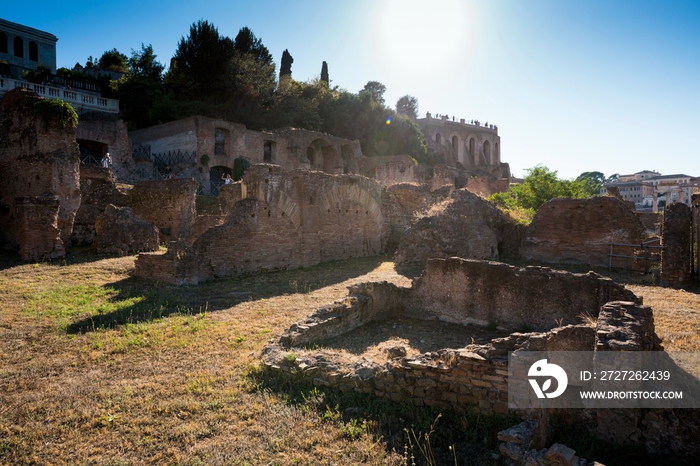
(36,160)
(473,377)
(676,239)
(580,231)
(285,220)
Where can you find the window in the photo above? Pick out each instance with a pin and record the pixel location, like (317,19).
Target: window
(19,47)
(267,151)
(3,42)
(219,141)
(33,51)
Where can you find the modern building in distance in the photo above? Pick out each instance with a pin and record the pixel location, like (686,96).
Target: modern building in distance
(650,190)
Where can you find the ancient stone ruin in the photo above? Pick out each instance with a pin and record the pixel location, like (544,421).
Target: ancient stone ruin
(466,226)
(580,231)
(567,311)
(281,220)
(39,177)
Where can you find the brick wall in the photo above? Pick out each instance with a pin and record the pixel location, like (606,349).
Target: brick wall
(465,226)
(35,160)
(675,239)
(36,228)
(97,191)
(287,220)
(470,378)
(168,204)
(580,231)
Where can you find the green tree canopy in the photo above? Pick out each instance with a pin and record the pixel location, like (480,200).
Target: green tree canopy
(200,61)
(539,186)
(376,90)
(113,60)
(139,90)
(407,105)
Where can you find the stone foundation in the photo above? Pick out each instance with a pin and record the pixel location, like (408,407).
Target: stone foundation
(676,239)
(36,228)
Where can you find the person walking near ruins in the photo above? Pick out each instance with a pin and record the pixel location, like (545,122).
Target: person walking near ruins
(106,160)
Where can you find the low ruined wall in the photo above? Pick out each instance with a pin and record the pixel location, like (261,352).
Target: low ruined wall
(470,378)
(36,159)
(168,204)
(287,220)
(97,191)
(469,291)
(465,226)
(580,231)
(676,265)
(204,222)
(484,186)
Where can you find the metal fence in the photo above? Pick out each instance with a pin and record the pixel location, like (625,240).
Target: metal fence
(647,252)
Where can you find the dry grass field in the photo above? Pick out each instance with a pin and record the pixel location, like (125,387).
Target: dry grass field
(97,367)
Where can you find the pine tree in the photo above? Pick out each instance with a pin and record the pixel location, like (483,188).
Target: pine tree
(324,73)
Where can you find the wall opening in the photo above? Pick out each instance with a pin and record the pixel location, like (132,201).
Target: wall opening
(472,152)
(310,155)
(220,141)
(268,151)
(33,51)
(487,152)
(19,47)
(91,152)
(438,138)
(496,153)
(347,154)
(215,175)
(3,42)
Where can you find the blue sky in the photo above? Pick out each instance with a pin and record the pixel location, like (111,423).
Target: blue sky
(576,85)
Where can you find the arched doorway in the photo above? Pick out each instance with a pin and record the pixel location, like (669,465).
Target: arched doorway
(487,152)
(323,156)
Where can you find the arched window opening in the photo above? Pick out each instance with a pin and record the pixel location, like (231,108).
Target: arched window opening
(455,141)
(472,154)
(19,47)
(3,42)
(33,51)
(487,152)
(496,152)
(437,138)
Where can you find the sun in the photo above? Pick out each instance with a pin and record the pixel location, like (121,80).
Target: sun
(422,36)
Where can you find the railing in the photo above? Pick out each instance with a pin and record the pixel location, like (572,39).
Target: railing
(173,157)
(80,100)
(647,253)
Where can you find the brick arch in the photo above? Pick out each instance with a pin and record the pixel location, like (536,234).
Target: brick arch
(323,156)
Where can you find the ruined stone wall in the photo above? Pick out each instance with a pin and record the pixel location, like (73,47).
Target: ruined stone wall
(35,160)
(36,228)
(168,204)
(108,129)
(468,291)
(470,378)
(391,169)
(484,186)
(97,191)
(287,220)
(580,231)
(676,266)
(204,222)
(465,226)
(650,220)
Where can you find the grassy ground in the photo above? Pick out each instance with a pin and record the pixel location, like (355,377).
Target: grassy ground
(97,367)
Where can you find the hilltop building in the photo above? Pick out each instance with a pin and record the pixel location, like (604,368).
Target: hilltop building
(650,190)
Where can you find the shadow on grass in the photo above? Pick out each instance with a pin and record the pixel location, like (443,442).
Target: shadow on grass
(403,427)
(155,300)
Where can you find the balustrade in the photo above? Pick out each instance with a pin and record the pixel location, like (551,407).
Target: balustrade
(80,100)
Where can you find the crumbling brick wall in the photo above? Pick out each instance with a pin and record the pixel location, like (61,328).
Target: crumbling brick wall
(469,378)
(36,228)
(465,226)
(484,186)
(580,231)
(287,220)
(470,291)
(35,160)
(168,204)
(676,241)
(97,190)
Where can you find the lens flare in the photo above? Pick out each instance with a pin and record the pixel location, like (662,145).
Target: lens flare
(388,121)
